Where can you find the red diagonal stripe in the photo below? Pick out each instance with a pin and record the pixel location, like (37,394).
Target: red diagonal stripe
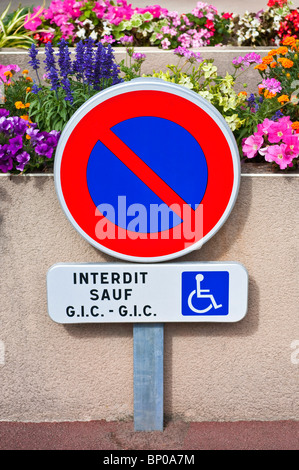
(142,171)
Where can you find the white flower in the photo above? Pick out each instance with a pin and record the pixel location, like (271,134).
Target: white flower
(255,23)
(106,29)
(93,35)
(81,33)
(185,81)
(90,23)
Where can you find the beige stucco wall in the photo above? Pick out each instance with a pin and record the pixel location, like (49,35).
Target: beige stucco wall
(242,371)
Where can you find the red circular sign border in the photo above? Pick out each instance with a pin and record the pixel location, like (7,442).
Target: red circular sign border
(130,104)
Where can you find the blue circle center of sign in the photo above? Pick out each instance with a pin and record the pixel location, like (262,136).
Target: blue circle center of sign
(170,151)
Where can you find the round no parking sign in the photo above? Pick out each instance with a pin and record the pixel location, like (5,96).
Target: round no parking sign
(147,170)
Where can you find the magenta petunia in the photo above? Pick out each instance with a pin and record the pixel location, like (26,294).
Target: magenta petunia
(280,155)
(252,144)
(278,131)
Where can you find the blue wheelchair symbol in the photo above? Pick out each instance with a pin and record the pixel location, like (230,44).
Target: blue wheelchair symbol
(205,293)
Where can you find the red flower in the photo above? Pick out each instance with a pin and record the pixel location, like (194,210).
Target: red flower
(227,16)
(290,25)
(210,25)
(276,3)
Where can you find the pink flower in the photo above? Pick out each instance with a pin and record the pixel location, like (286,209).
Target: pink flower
(155,10)
(252,144)
(271,84)
(292,142)
(165,43)
(107,39)
(165,29)
(263,128)
(278,130)
(32,22)
(67,30)
(99,9)
(280,155)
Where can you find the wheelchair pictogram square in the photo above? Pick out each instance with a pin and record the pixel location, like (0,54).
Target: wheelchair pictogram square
(205,293)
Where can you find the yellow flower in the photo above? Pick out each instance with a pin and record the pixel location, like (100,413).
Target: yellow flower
(19,105)
(28,89)
(28,137)
(283,99)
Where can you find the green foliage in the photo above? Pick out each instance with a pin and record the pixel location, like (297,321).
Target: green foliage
(12,31)
(51,111)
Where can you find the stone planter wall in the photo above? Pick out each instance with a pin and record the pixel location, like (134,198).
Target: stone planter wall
(218,372)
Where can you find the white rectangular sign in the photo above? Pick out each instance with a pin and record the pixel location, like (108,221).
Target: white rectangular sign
(136,293)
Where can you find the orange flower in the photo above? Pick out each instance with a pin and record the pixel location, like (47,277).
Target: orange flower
(261,66)
(28,89)
(272,52)
(290,41)
(273,65)
(27,105)
(295,125)
(269,94)
(242,93)
(268,59)
(283,99)
(19,105)
(286,63)
(8,73)
(28,137)
(25,117)
(282,50)
(29,79)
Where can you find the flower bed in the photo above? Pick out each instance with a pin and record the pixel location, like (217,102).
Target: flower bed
(113,22)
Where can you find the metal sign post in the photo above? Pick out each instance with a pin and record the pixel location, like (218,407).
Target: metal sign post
(148,376)
(147,171)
